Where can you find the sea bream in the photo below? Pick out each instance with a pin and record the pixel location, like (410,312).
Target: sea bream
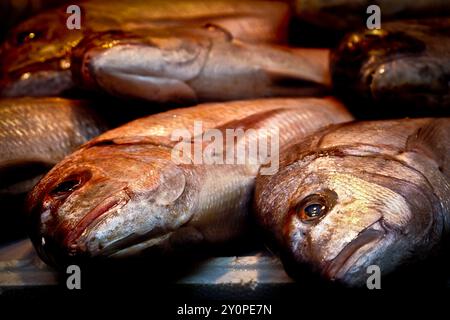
(123,193)
(196,65)
(404,65)
(35,57)
(359,194)
(37,133)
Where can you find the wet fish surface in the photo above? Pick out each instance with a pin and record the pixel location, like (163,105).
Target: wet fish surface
(359,194)
(122,194)
(197,65)
(403,66)
(35,57)
(37,133)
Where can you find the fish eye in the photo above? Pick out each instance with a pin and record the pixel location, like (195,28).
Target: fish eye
(314,210)
(315,205)
(66,187)
(26,36)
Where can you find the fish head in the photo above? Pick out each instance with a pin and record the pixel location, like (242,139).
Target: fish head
(153,64)
(337,215)
(35,56)
(361,56)
(105,201)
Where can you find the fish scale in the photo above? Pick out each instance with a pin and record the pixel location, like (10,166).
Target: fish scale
(382,188)
(41,66)
(64,124)
(185,204)
(216,68)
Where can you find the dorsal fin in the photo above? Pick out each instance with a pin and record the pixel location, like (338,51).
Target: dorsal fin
(254,121)
(433,140)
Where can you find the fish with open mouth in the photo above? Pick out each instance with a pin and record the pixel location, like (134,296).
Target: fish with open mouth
(404,65)
(196,65)
(37,133)
(35,57)
(359,194)
(123,194)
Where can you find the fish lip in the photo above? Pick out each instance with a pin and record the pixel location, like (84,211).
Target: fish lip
(114,202)
(124,249)
(337,267)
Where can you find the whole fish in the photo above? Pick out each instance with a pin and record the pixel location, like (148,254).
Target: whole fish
(360,194)
(37,133)
(404,65)
(35,58)
(348,14)
(196,65)
(123,193)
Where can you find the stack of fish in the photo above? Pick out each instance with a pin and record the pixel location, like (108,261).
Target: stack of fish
(347,194)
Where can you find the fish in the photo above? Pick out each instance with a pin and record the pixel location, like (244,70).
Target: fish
(359,194)
(124,194)
(37,133)
(35,57)
(329,14)
(189,66)
(404,66)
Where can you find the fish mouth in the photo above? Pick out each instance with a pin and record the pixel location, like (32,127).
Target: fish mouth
(352,252)
(91,218)
(135,244)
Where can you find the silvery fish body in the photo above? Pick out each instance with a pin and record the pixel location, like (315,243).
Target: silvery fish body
(196,65)
(35,57)
(37,133)
(124,193)
(360,194)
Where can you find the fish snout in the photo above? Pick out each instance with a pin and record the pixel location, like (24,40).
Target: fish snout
(82,54)
(63,230)
(44,204)
(349,266)
(52,251)
(99,217)
(342,258)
